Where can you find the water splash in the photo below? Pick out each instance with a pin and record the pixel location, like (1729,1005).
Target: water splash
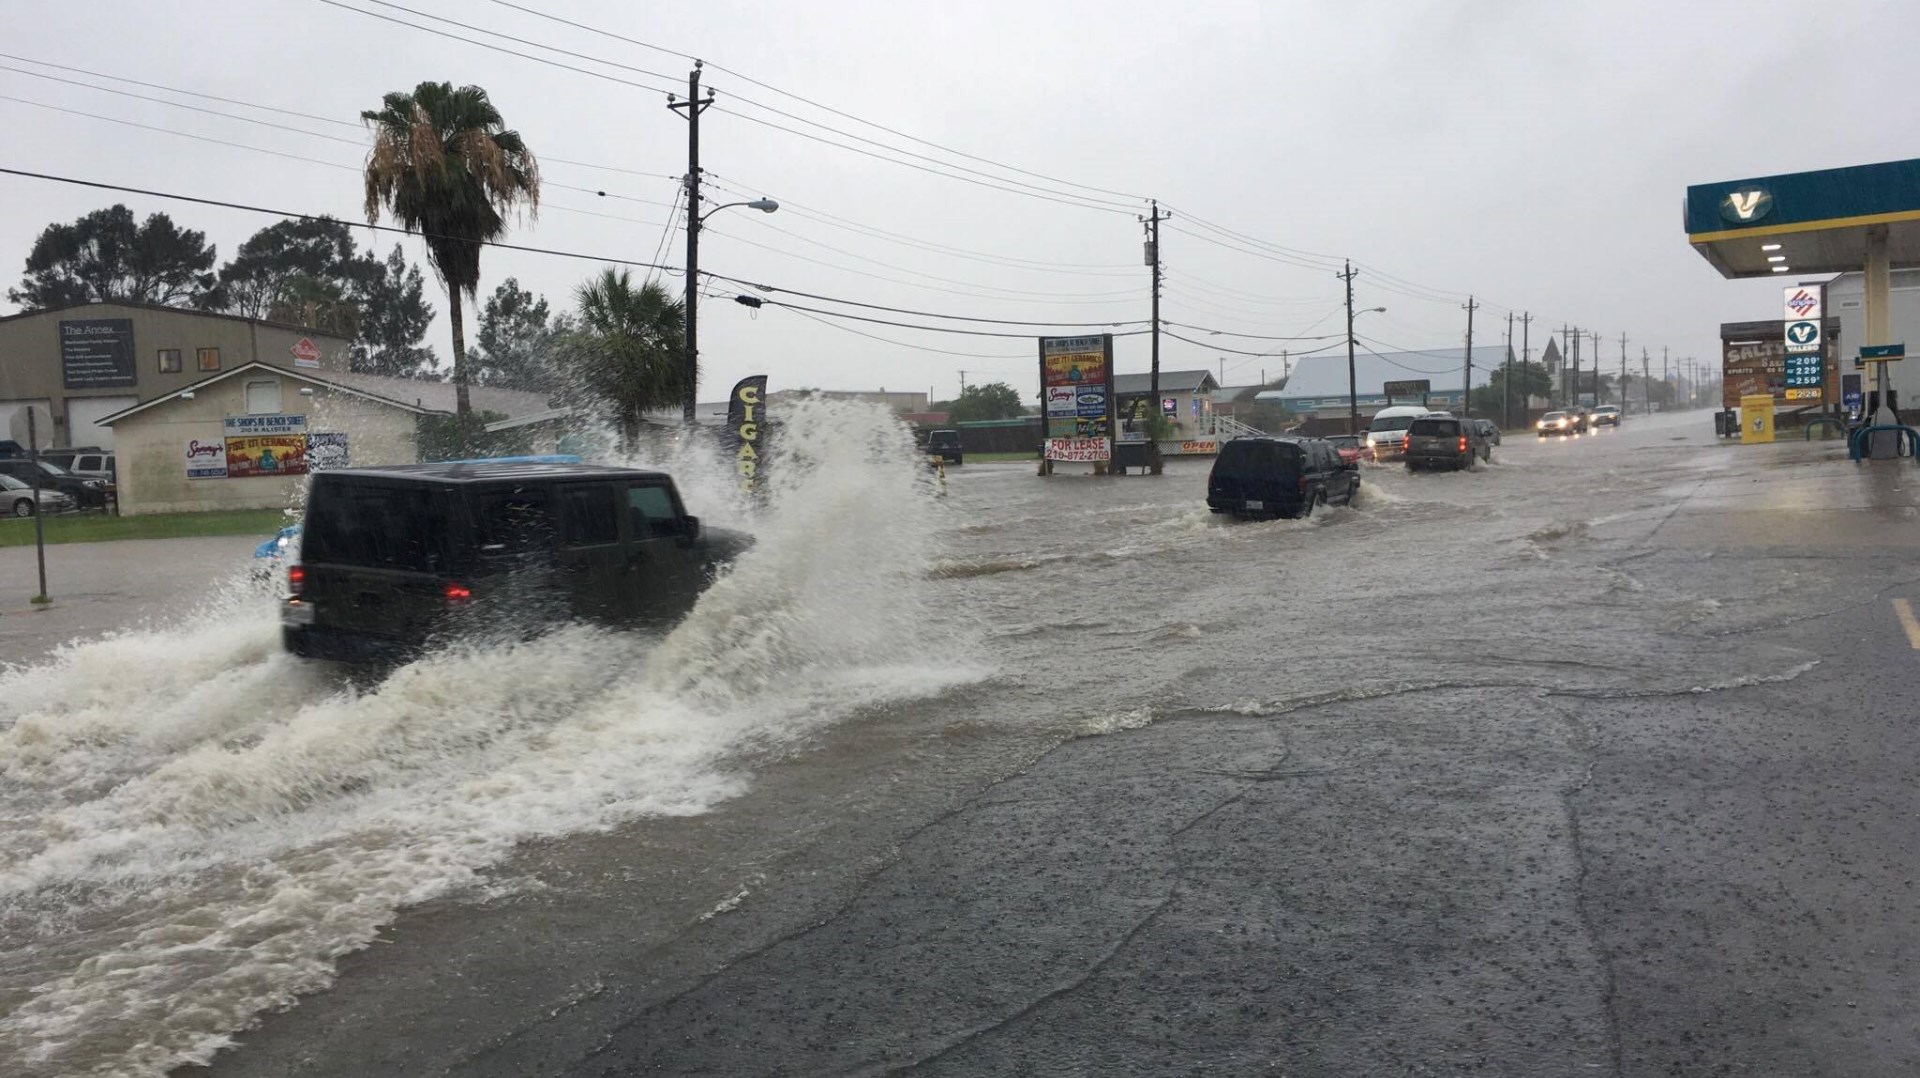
(194,826)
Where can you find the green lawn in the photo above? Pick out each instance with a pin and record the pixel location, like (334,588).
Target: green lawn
(99,528)
(990,458)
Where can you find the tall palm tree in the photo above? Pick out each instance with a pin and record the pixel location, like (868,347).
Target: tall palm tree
(446,167)
(627,347)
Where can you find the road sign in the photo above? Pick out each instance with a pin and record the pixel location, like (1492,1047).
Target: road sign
(305,353)
(1803,336)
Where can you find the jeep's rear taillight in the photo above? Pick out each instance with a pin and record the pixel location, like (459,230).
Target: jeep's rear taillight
(457,593)
(296,580)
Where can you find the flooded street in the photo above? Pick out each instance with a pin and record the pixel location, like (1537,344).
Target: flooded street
(1033,776)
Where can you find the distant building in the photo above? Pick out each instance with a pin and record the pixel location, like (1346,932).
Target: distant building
(895,400)
(1186,398)
(1318,387)
(77,364)
(246,437)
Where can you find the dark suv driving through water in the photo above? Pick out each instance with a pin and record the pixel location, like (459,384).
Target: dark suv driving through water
(393,559)
(1282,477)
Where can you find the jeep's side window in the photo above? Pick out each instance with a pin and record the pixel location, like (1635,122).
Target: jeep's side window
(587,516)
(652,511)
(514,522)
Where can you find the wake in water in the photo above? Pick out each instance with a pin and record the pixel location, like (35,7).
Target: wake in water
(194,826)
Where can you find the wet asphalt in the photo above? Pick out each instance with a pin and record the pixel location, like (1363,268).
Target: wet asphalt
(1596,761)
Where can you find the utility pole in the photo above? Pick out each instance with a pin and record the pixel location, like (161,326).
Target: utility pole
(1223,371)
(963,383)
(1623,373)
(1506,379)
(1526,351)
(1353,385)
(1466,387)
(1152,223)
(695,105)
(1646,386)
(1565,337)
(1573,401)
(1666,379)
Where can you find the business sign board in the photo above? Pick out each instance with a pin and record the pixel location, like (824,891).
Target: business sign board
(206,459)
(1413,387)
(246,425)
(266,455)
(1802,337)
(326,449)
(1850,392)
(1803,303)
(747,422)
(305,353)
(97,353)
(1076,380)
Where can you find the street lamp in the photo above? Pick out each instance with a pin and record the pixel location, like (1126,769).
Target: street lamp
(1353,385)
(694,221)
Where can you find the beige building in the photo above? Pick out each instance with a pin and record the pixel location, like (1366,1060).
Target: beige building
(76,365)
(246,438)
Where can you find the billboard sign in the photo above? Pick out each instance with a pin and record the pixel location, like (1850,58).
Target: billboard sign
(1803,303)
(326,449)
(97,353)
(1413,387)
(1076,380)
(266,454)
(1803,337)
(206,459)
(246,425)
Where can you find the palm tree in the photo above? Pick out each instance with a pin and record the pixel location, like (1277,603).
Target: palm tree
(628,347)
(445,166)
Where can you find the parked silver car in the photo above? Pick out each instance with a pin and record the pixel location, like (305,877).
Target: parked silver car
(17,498)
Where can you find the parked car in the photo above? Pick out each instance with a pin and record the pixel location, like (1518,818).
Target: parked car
(945,444)
(19,498)
(393,559)
(1488,429)
(1443,441)
(1348,446)
(1279,477)
(1606,414)
(1557,423)
(87,462)
(86,493)
(1387,431)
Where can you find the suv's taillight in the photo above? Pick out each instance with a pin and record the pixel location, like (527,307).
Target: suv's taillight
(1463,445)
(457,593)
(296,580)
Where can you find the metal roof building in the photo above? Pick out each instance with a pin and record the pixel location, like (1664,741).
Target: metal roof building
(1319,383)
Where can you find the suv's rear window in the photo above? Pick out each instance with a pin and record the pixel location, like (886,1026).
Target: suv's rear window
(376,526)
(1282,456)
(1434,428)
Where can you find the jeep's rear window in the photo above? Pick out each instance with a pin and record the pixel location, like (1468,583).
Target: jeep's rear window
(1434,428)
(376,526)
(1283,456)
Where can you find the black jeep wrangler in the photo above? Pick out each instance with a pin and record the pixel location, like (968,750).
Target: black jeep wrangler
(394,559)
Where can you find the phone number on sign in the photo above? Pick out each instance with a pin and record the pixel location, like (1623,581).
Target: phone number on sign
(1077,449)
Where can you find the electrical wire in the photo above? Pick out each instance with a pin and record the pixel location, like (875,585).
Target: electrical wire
(902,344)
(925,314)
(933,329)
(1254,336)
(825,108)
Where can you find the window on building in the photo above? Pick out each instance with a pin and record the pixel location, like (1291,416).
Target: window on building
(263,397)
(169,361)
(209,359)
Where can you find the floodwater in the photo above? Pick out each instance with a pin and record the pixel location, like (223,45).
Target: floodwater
(194,827)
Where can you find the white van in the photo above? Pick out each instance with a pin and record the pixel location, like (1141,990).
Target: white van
(1387,433)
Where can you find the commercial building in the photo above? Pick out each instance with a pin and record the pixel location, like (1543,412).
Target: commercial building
(247,437)
(77,364)
(1318,388)
(1186,399)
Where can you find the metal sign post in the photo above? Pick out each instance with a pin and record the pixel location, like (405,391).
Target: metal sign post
(39,513)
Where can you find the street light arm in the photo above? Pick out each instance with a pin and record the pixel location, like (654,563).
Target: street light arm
(764,205)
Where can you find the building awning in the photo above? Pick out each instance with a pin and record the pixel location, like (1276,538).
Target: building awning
(1806,222)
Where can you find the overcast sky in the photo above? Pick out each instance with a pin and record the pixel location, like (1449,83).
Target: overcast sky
(1533,154)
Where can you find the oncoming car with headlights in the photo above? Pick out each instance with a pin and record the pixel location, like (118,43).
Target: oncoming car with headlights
(1557,423)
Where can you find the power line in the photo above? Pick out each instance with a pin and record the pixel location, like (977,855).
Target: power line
(1244,352)
(934,329)
(292,156)
(996,183)
(1253,336)
(903,344)
(927,314)
(823,107)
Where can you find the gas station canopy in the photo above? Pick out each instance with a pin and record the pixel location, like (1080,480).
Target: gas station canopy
(1807,222)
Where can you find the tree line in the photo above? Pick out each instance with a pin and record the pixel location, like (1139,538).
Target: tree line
(443,166)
